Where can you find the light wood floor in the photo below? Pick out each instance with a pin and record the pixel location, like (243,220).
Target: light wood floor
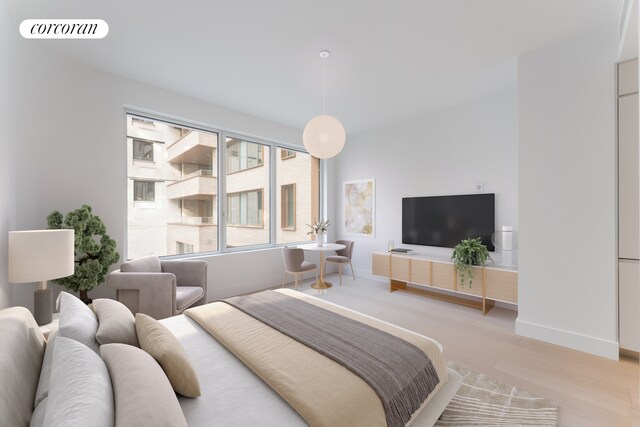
(591,391)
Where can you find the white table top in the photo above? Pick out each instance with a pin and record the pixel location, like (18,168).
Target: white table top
(323,248)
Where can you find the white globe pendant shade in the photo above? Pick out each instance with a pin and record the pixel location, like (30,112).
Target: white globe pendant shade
(324,136)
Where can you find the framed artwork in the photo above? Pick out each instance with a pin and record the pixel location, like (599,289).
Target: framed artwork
(359,204)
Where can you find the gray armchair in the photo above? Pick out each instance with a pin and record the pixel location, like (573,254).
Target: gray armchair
(160,288)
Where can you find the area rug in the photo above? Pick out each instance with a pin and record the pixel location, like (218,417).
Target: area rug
(485,401)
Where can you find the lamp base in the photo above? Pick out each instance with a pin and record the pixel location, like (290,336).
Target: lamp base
(42,308)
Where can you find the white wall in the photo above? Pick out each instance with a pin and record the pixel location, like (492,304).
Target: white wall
(445,152)
(8,140)
(72,145)
(567,184)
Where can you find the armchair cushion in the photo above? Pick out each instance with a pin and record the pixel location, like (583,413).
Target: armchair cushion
(186,295)
(147,264)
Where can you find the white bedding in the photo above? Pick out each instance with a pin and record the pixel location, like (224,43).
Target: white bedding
(233,395)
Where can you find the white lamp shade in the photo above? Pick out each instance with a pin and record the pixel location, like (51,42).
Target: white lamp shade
(324,136)
(40,255)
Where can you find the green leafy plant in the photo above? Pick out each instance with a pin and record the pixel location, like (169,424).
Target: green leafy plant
(466,254)
(95,251)
(318,227)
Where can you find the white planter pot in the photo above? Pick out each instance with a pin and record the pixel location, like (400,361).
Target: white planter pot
(320,239)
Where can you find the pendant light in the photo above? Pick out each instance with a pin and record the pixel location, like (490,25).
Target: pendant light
(324,135)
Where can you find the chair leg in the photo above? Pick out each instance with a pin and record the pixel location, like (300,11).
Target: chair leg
(296,281)
(352,272)
(285,279)
(340,273)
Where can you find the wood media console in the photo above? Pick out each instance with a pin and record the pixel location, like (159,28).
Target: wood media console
(490,283)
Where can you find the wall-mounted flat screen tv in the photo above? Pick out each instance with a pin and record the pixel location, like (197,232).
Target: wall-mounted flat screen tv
(445,220)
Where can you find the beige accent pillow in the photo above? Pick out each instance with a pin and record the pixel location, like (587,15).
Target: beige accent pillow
(143,394)
(160,343)
(116,324)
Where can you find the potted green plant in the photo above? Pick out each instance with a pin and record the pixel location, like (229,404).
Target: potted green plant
(95,251)
(466,254)
(319,228)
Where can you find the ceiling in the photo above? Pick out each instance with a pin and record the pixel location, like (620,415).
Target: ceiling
(389,60)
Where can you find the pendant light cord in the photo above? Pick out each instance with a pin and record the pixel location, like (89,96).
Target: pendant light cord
(324,78)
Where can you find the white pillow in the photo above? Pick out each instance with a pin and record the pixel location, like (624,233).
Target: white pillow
(77,321)
(37,418)
(80,391)
(45,373)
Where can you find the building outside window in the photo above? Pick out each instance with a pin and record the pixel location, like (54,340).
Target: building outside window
(144,191)
(142,150)
(184,185)
(288,208)
(183,218)
(298,201)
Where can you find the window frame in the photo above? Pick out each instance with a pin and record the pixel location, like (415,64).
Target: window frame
(143,141)
(241,140)
(222,208)
(146,182)
(284,213)
(260,215)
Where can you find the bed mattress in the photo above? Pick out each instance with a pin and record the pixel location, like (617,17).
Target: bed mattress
(233,395)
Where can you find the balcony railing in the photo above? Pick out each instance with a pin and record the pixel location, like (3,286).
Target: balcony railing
(201,172)
(198,187)
(194,220)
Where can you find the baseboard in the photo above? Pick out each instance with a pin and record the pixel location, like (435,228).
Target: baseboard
(576,341)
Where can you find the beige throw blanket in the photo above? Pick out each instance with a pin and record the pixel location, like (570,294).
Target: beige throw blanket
(322,391)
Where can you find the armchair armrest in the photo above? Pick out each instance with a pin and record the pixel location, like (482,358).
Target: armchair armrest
(149,293)
(188,273)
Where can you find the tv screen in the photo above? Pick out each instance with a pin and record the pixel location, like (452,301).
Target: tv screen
(445,220)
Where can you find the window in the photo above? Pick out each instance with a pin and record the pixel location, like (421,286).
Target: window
(142,150)
(180,203)
(286,154)
(144,191)
(142,123)
(299,197)
(288,208)
(183,183)
(246,208)
(243,155)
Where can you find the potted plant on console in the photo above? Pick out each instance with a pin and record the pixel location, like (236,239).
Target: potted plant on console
(469,253)
(95,251)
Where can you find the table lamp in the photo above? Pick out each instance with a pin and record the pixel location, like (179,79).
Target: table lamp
(38,256)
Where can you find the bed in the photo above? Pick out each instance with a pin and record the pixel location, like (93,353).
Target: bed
(231,393)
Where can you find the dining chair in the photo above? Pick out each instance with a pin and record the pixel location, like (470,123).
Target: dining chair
(342,257)
(295,264)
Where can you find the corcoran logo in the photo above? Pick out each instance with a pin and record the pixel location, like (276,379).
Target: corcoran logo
(64,29)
